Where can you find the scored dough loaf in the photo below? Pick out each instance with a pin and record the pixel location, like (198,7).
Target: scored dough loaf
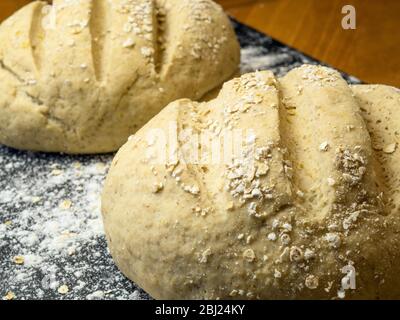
(316,196)
(81,76)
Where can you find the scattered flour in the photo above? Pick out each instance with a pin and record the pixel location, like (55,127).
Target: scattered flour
(50,219)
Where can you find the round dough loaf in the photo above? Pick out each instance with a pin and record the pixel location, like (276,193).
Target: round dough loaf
(309,204)
(81,76)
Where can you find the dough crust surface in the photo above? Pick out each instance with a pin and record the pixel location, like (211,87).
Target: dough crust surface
(315,189)
(81,76)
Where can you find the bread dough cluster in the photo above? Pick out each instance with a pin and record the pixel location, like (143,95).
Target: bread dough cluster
(308,209)
(81,76)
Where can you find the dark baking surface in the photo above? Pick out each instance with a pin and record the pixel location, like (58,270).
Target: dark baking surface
(50,210)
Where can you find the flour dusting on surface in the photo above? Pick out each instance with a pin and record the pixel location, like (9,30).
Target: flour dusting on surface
(51,234)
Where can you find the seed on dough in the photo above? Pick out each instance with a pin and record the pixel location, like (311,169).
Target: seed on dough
(309,254)
(331,182)
(277,274)
(333,239)
(300,193)
(128,43)
(146,52)
(192,189)
(230,206)
(249,239)
(249,255)
(204,256)
(390,148)
(296,254)
(233,293)
(157,187)
(271,236)
(324,146)
(312,282)
(287,226)
(285,239)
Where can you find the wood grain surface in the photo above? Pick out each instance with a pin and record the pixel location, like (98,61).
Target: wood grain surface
(371,52)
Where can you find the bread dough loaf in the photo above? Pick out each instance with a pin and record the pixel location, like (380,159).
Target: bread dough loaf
(81,76)
(308,205)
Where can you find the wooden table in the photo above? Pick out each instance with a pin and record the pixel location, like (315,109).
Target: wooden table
(370,52)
